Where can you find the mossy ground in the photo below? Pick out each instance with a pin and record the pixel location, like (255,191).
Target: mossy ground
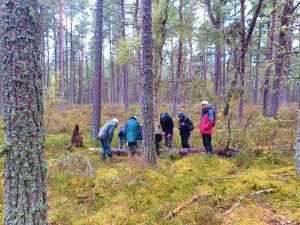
(127,193)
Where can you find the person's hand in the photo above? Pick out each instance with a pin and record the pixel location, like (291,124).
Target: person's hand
(183,124)
(169,135)
(163,134)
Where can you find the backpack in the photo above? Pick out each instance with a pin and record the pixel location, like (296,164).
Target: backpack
(192,128)
(215,118)
(214,114)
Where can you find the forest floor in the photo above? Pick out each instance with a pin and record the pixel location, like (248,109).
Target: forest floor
(258,185)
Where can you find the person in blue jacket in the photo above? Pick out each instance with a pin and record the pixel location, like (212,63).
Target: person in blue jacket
(121,137)
(132,132)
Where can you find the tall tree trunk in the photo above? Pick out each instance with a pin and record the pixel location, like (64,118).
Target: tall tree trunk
(80,82)
(67,64)
(97,71)
(245,39)
(112,71)
(25,196)
(179,62)
(298,133)
(80,73)
(280,58)
(71,86)
(42,44)
(149,154)
(255,89)
(1,74)
(172,70)
(287,67)
(266,87)
(124,66)
(74,78)
(158,54)
(88,77)
(61,59)
(48,60)
(55,47)
(239,75)
(216,22)
(139,56)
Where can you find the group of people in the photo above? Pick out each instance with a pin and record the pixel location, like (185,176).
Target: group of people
(131,131)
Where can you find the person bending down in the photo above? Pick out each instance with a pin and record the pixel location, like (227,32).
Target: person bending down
(105,136)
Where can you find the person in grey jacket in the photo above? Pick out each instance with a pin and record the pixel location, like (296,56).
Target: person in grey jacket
(105,136)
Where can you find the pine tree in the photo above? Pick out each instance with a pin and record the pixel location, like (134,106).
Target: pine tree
(25,169)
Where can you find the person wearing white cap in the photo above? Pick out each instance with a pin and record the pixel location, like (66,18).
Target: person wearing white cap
(207,122)
(105,136)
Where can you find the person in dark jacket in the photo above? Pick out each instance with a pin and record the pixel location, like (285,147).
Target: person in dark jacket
(131,132)
(167,125)
(105,136)
(121,137)
(207,120)
(185,127)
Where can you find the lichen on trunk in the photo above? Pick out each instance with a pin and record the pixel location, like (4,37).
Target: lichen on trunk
(25,169)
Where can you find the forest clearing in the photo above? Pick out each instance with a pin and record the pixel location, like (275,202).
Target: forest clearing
(150,112)
(127,193)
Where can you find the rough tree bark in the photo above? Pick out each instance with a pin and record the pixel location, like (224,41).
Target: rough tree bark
(280,58)
(97,71)
(25,168)
(149,154)
(298,133)
(266,87)
(48,59)
(1,76)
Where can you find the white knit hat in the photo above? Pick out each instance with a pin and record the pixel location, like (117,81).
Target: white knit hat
(204,103)
(115,120)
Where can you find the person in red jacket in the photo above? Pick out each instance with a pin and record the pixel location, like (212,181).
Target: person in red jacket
(207,120)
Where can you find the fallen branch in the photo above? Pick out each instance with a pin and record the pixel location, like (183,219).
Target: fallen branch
(243,197)
(180,151)
(262,191)
(182,206)
(287,175)
(234,207)
(227,177)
